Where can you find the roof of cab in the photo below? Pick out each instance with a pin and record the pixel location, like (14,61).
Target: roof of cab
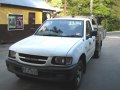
(70,18)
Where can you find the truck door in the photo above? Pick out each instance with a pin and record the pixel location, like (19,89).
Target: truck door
(90,41)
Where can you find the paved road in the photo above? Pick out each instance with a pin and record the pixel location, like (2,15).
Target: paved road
(102,73)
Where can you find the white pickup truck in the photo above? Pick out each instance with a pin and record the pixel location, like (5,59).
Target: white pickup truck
(58,50)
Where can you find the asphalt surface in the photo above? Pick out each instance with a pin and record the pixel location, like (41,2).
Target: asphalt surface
(101,74)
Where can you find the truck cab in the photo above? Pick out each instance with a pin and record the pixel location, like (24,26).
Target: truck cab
(58,50)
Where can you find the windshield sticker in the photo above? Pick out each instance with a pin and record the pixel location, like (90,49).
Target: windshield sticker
(78,34)
(75,23)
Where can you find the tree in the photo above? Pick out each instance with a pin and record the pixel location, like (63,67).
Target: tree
(107,11)
(100,7)
(113,21)
(116,9)
(78,7)
(47,0)
(56,3)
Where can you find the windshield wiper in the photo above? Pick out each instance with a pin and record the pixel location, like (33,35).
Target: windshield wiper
(72,36)
(49,34)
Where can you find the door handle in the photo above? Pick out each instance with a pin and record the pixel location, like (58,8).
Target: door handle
(89,43)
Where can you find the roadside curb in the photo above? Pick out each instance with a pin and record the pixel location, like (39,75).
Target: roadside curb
(113,31)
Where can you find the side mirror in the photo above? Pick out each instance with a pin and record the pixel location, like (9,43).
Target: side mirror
(94,33)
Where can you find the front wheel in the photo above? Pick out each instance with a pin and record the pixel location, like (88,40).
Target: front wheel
(22,77)
(78,75)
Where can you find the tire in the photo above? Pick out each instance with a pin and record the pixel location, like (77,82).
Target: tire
(97,53)
(22,77)
(101,44)
(78,76)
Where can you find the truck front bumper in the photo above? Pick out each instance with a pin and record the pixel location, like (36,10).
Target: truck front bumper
(45,73)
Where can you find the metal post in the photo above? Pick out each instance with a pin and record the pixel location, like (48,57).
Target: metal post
(91,7)
(65,6)
(45,0)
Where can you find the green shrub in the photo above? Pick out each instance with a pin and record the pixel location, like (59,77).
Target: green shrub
(111,24)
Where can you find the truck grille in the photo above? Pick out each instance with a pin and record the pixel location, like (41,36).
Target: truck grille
(33,58)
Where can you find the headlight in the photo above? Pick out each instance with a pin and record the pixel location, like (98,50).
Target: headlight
(12,54)
(62,60)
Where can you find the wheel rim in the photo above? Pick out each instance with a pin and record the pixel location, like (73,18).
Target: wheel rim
(79,75)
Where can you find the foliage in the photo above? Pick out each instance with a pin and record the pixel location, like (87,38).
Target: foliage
(111,23)
(102,7)
(108,11)
(113,20)
(56,3)
(116,9)
(78,7)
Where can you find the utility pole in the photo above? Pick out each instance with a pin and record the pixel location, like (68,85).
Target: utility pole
(46,1)
(91,7)
(65,6)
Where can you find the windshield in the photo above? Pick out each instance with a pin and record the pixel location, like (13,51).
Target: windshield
(64,28)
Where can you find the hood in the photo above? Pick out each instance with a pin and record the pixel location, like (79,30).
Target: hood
(45,45)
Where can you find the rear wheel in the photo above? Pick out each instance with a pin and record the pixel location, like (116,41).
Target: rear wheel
(97,53)
(78,75)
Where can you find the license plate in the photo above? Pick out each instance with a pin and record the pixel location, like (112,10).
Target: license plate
(31,71)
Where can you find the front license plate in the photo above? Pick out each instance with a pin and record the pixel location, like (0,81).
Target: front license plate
(31,71)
